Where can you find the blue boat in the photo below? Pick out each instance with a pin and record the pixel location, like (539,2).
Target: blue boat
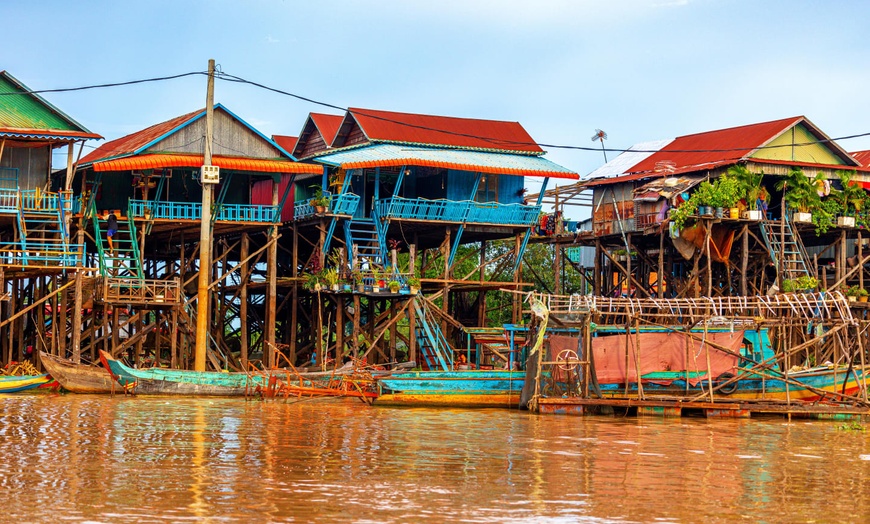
(489,389)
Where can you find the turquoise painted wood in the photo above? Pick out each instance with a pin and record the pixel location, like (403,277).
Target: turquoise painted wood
(461,211)
(454,382)
(193,211)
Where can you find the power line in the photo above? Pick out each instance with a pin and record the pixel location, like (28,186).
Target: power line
(233,78)
(99,86)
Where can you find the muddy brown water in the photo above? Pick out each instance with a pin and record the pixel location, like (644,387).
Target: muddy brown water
(83,458)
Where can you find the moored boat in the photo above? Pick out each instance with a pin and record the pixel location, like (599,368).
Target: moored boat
(14,384)
(79,378)
(474,388)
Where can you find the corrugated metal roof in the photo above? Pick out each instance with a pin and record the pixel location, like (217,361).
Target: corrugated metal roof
(715,147)
(862,156)
(327,125)
(382,155)
(287,143)
(389,126)
(30,114)
(157,161)
(669,186)
(627,159)
(127,145)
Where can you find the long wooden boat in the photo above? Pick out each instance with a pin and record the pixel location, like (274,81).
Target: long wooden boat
(14,384)
(160,381)
(451,388)
(79,378)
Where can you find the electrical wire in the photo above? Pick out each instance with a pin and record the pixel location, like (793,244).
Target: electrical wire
(496,141)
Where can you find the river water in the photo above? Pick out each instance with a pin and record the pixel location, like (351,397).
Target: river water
(82,458)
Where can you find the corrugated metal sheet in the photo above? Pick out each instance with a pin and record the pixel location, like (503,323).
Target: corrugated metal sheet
(627,159)
(287,143)
(327,125)
(30,114)
(382,155)
(862,156)
(716,147)
(126,145)
(388,126)
(236,164)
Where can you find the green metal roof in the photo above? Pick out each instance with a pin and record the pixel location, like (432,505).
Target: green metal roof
(30,113)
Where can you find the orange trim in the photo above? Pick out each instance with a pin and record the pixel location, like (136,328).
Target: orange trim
(236,164)
(458,166)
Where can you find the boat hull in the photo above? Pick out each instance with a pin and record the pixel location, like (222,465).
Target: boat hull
(773,388)
(482,389)
(15,384)
(79,378)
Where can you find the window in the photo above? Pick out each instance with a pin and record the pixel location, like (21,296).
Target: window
(487,190)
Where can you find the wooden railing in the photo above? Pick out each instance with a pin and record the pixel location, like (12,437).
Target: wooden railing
(41,254)
(142,291)
(149,209)
(460,211)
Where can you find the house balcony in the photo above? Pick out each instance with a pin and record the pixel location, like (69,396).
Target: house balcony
(458,211)
(34,201)
(148,209)
(344,204)
(41,254)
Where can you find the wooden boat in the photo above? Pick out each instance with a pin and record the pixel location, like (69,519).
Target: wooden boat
(737,374)
(79,378)
(13,384)
(451,388)
(160,381)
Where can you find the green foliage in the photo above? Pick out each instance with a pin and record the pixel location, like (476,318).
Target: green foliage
(802,283)
(319,199)
(800,190)
(682,213)
(726,192)
(852,197)
(330,276)
(825,214)
(852,291)
(852,426)
(749,184)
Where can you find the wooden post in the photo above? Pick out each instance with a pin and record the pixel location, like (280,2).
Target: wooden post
(596,272)
(272,292)
(173,340)
(860,253)
(294,304)
(744,261)
(660,269)
(243,302)
(339,329)
(412,313)
(202,305)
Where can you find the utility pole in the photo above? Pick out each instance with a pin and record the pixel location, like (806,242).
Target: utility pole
(208,179)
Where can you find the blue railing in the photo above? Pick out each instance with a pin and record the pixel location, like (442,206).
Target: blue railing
(32,200)
(343,204)
(458,211)
(41,254)
(148,209)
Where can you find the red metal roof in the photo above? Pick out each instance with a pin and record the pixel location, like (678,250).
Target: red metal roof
(287,143)
(327,125)
(862,156)
(157,161)
(127,145)
(715,147)
(388,126)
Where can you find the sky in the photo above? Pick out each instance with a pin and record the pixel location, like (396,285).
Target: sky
(638,69)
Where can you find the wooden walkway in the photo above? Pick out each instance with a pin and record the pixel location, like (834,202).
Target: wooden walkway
(677,408)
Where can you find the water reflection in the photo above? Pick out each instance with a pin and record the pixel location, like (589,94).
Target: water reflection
(112,459)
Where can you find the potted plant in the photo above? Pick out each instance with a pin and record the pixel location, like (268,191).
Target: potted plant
(851,199)
(862,295)
(788,286)
(320,201)
(751,190)
(311,282)
(413,284)
(852,293)
(801,193)
(394,286)
(621,255)
(358,281)
(376,277)
(806,283)
(330,277)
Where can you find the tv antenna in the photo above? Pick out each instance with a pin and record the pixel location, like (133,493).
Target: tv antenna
(601,136)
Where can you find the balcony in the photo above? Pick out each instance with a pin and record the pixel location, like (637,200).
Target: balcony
(344,204)
(459,211)
(34,201)
(149,209)
(142,291)
(40,254)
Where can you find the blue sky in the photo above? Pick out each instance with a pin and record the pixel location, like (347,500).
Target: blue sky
(638,69)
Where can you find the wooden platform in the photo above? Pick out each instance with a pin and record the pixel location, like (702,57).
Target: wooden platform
(677,408)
